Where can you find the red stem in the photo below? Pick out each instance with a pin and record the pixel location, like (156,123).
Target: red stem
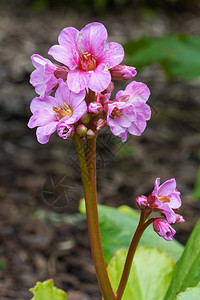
(134,243)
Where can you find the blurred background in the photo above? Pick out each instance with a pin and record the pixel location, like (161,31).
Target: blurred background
(42,233)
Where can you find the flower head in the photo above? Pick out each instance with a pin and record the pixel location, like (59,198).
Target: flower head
(165,198)
(163,229)
(88,56)
(129,112)
(57,113)
(46,75)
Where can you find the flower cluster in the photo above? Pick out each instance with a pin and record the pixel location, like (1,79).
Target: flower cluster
(75,96)
(166,200)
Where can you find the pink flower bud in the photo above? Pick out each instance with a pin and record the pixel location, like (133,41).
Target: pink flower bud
(164,229)
(122,72)
(81,130)
(94,107)
(142,202)
(100,124)
(90,134)
(109,89)
(179,219)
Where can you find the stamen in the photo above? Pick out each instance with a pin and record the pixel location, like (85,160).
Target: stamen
(87,62)
(63,111)
(116,113)
(164,199)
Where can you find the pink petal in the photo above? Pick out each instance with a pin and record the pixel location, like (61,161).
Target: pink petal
(167,188)
(43,133)
(112,55)
(94,35)
(78,80)
(39,61)
(67,56)
(99,80)
(69,37)
(138,90)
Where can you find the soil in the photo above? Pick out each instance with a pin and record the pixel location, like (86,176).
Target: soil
(42,235)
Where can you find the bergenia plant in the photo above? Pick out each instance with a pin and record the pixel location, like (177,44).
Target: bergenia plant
(75,100)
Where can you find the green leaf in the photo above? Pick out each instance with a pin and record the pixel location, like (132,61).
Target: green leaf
(190,294)
(47,291)
(187,272)
(117,227)
(177,54)
(150,274)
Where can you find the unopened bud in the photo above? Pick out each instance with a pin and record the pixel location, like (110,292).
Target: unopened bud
(110,88)
(100,124)
(94,107)
(122,72)
(81,130)
(85,118)
(90,134)
(179,219)
(142,202)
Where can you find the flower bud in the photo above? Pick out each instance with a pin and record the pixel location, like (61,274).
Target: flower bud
(90,134)
(179,219)
(81,130)
(94,107)
(100,124)
(122,72)
(85,118)
(142,202)
(109,89)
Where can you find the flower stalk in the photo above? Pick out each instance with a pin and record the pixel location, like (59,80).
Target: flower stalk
(133,246)
(88,175)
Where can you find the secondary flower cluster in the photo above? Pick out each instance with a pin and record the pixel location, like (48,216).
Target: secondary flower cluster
(75,97)
(164,199)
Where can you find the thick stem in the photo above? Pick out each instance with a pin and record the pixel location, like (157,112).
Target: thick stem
(134,243)
(88,175)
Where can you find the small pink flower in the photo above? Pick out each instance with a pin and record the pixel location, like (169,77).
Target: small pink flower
(46,75)
(163,229)
(59,113)
(129,112)
(165,198)
(123,72)
(88,56)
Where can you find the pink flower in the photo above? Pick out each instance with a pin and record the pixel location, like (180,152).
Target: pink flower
(129,112)
(163,229)
(46,75)
(59,113)
(165,198)
(88,56)
(123,72)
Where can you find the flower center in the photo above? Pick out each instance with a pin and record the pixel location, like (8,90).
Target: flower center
(87,62)
(164,199)
(63,111)
(116,113)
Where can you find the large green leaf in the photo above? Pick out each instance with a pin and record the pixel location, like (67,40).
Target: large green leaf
(190,294)
(150,274)
(117,227)
(187,272)
(47,291)
(177,54)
